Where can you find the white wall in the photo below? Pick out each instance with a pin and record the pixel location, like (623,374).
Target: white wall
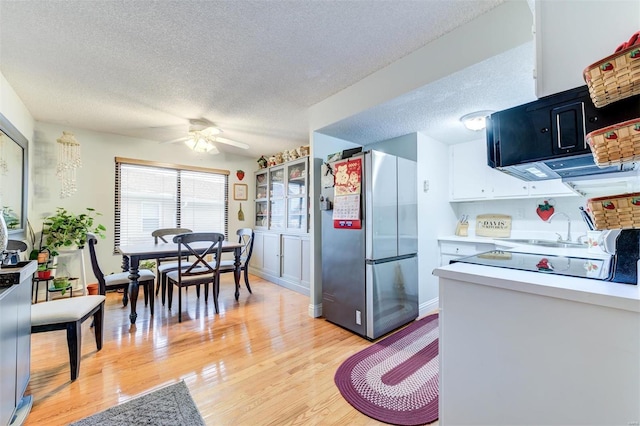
(525,222)
(435,213)
(96,179)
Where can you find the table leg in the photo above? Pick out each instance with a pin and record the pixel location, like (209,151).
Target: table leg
(133,287)
(236,272)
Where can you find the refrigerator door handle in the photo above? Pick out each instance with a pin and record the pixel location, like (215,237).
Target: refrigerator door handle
(389,259)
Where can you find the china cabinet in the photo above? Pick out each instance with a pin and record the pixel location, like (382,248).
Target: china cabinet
(261,201)
(281,202)
(281,249)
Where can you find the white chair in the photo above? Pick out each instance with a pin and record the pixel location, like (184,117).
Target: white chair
(69,314)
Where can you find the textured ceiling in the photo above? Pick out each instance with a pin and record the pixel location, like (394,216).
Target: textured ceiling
(143,68)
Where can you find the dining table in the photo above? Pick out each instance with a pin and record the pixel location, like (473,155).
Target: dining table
(134,253)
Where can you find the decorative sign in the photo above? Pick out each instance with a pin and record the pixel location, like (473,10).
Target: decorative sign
(346,203)
(493,225)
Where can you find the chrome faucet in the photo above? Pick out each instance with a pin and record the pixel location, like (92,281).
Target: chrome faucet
(568,225)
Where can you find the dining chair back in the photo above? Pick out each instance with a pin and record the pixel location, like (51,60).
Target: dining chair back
(167,264)
(198,245)
(120,279)
(245,237)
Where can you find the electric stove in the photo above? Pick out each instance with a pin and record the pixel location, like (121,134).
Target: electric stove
(580,267)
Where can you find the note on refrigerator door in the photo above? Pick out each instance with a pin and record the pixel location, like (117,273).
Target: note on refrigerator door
(346,211)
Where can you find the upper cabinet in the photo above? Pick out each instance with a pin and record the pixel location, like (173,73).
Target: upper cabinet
(472,179)
(282,198)
(570,35)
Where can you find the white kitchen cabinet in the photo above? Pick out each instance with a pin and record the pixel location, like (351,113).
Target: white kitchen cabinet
(450,250)
(305,273)
(571,35)
(291,257)
(283,259)
(472,179)
(271,254)
(468,177)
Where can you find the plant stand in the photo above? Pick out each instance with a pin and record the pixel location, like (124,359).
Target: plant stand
(69,288)
(36,286)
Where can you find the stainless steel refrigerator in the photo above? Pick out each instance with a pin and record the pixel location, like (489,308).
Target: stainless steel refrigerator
(370,275)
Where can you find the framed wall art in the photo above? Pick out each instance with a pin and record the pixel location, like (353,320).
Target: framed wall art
(239,191)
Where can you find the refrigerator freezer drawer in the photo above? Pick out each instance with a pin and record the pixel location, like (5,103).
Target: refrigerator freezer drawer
(391,294)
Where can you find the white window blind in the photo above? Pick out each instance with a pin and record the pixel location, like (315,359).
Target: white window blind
(151,196)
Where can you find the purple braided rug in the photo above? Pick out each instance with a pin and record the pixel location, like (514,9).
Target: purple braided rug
(396,379)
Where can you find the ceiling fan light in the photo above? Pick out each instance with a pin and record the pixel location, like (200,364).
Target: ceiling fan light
(476,120)
(201,145)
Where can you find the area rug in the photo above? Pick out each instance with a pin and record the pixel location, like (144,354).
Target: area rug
(171,405)
(396,379)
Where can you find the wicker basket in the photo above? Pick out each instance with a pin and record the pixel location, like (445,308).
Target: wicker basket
(615,211)
(616,144)
(615,77)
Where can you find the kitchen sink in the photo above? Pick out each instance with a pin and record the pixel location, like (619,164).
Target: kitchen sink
(546,243)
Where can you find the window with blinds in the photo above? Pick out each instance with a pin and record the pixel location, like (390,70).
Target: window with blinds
(152,195)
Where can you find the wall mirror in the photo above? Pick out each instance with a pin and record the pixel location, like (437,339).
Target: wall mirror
(13,176)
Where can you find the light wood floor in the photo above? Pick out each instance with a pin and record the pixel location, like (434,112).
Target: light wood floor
(261,361)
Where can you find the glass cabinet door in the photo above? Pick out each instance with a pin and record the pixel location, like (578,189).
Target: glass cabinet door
(261,201)
(297,203)
(276,198)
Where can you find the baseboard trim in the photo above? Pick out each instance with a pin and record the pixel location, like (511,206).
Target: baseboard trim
(315,311)
(297,287)
(428,307)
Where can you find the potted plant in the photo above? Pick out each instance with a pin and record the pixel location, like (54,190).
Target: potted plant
(44,271)
(61,283)
(147,264)
(65,229)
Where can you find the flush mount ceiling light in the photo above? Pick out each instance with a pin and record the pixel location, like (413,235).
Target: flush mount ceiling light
(201,144)
(476,120)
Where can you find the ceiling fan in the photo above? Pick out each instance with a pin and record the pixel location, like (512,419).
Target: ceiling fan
(202,136)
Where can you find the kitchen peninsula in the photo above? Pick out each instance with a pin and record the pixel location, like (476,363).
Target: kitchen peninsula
(519,347)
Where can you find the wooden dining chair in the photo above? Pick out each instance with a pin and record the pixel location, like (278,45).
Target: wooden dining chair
(120,279)
(201,271)
(245,237)
(169,264)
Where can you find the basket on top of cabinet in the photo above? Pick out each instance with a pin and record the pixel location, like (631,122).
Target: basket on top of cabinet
(615,211)
(617,76)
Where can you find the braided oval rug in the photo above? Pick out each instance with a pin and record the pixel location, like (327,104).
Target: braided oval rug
(396,379)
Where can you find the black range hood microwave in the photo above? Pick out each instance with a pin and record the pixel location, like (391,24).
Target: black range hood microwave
(545,139)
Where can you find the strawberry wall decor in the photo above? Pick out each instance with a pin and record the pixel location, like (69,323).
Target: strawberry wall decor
(545,209)
(240,174)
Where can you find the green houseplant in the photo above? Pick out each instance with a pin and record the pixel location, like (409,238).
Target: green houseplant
(44,270)
(65,229)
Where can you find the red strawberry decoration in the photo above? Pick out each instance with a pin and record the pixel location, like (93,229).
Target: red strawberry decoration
(635,54)
(545,210)
(635,201)
(544,265)
(611,135)
(608,66)
(608,205)
(240,174)
(637,127)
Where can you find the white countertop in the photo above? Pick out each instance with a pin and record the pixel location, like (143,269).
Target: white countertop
(603,293)
(526,248)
